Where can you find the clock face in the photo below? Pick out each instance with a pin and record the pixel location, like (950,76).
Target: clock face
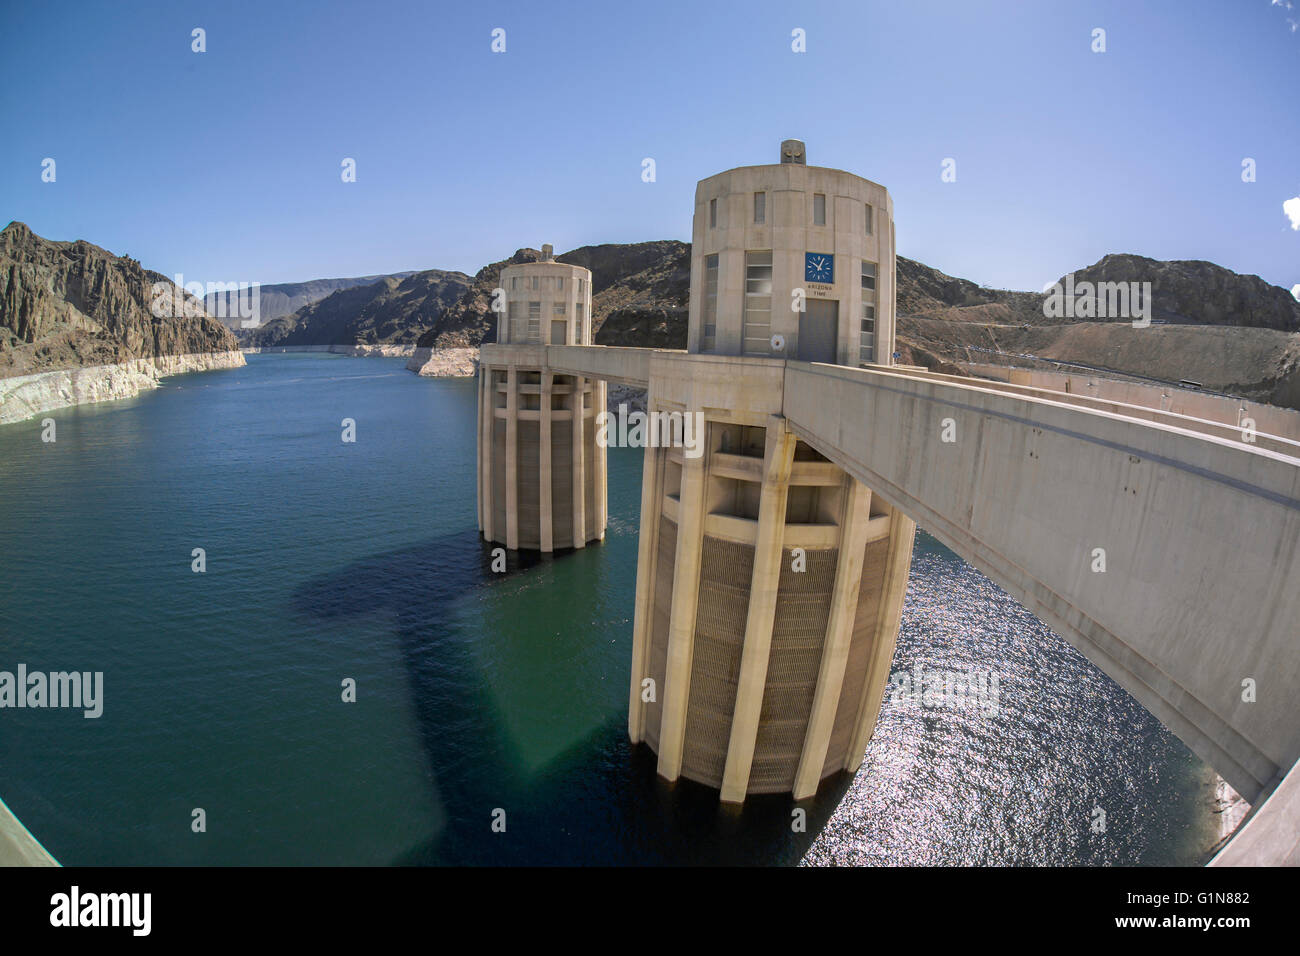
(818,267)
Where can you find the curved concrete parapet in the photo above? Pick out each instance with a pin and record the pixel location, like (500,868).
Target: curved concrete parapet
(17,846)
(1195,613)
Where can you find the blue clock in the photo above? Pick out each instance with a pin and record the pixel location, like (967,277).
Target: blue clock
(818,267)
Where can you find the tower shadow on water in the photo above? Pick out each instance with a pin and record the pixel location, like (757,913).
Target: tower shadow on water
(595,798)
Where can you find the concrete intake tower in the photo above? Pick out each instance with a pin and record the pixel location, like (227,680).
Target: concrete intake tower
(541,473)
(770,582)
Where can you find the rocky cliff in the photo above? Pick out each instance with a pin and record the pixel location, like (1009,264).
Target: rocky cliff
(79,324)
(67,305)
(640,293)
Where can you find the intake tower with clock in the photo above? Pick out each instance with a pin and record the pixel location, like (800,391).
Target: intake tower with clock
(770,582)
(793,261)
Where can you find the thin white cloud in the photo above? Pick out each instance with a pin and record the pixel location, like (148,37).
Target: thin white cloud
(1295,291)
(1288,5)
(1292,209)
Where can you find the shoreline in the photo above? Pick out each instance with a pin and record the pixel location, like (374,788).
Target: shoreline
(445,363)
(23,397)
(354,351)
(456,362)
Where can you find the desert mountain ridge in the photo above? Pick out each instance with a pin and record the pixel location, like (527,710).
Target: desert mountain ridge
(1226,331)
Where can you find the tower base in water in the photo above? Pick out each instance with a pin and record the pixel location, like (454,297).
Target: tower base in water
(541,474)
(769,591)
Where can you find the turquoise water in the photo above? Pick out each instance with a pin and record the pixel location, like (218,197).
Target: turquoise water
(475,692)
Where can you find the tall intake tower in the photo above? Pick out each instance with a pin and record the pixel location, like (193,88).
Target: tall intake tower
(541,474)
(769,582)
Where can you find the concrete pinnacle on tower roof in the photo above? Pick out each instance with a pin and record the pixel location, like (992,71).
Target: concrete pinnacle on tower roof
(792,151)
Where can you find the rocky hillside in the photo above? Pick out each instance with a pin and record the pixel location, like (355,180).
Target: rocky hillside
(1229,332)
(391,311)
(470,320)
(72,304)
(285,298)
(1259,364)
(1193,292)
(640,294)
(1184,292)
(926,291)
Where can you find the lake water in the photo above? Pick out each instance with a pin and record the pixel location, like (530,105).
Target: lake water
(475,692)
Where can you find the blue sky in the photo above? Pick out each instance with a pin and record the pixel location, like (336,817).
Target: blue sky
(225,165)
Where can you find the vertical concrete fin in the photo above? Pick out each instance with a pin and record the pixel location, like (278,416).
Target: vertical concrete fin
(681,627)
(839,634)
(652,492)
(485,449)
(512,458)
(579,464)
(902,533)
(601,462)
(546,529)
(778,459)
(478,457)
